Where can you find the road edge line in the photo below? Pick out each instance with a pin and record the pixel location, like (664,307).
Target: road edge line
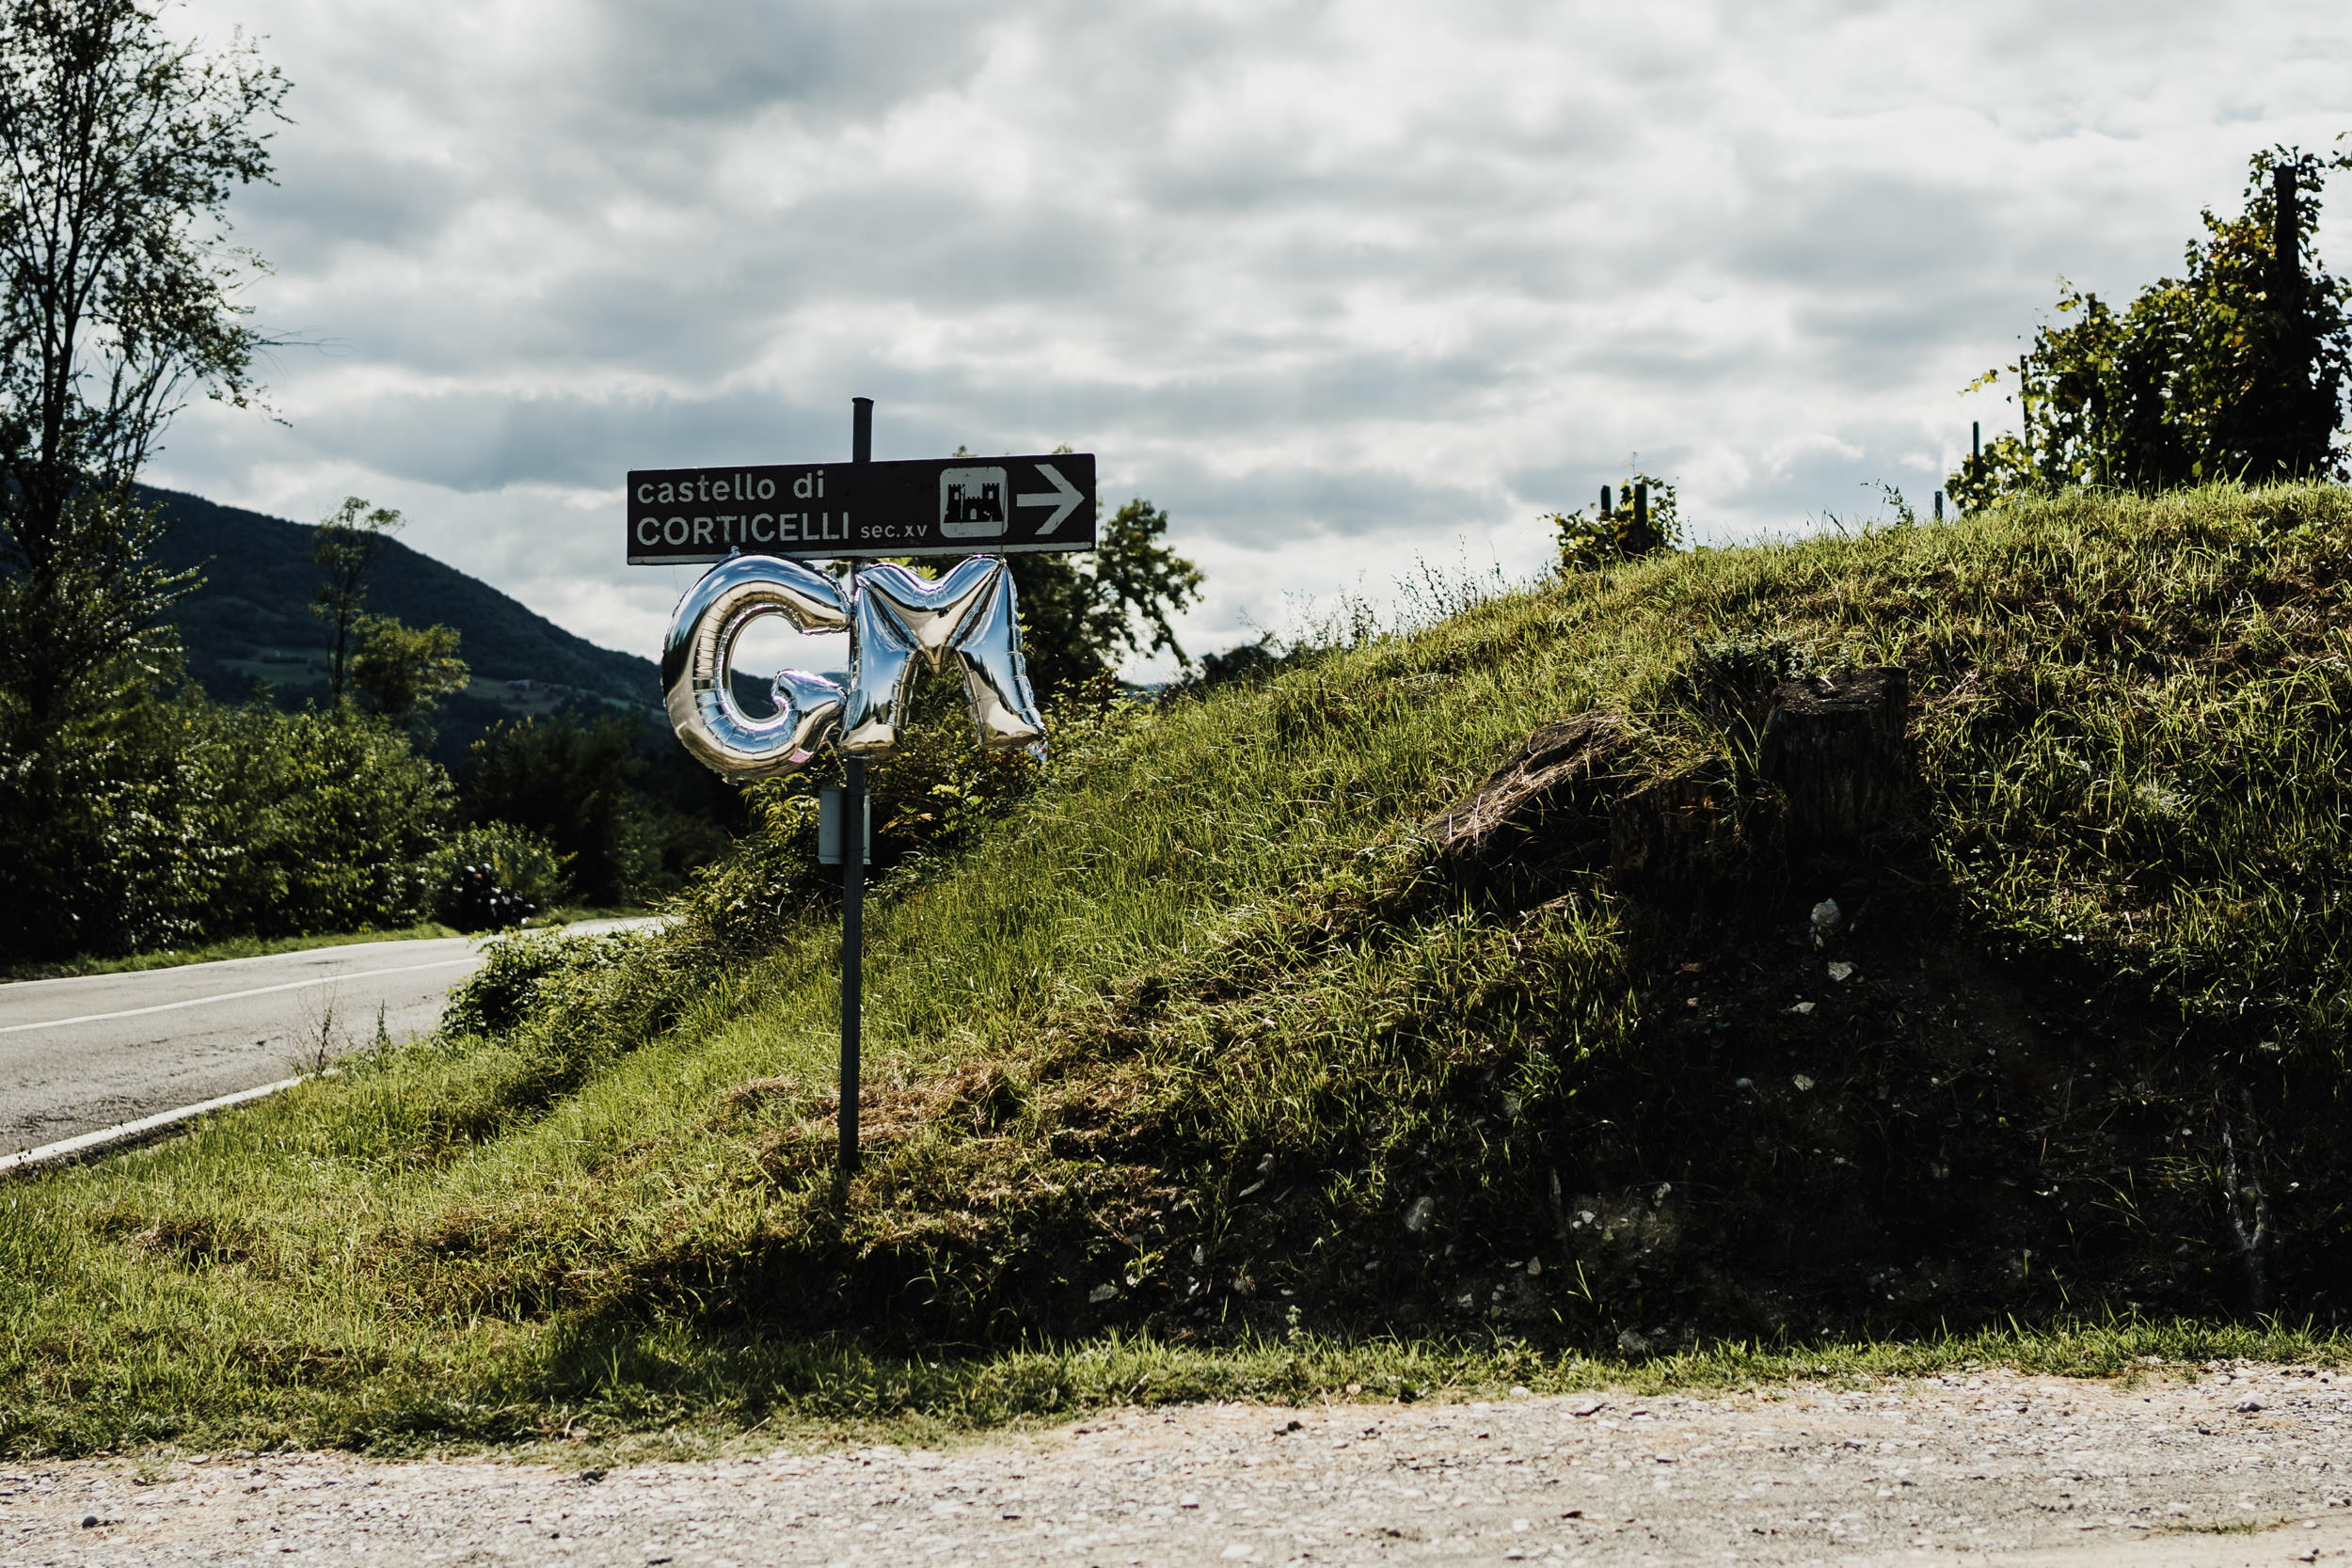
(108,1138)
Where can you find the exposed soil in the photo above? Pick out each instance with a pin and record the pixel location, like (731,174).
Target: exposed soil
(1830,1108)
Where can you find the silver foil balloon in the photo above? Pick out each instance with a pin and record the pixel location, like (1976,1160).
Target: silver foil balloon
(970,612)
(699,654)
(996,673)
(893,615)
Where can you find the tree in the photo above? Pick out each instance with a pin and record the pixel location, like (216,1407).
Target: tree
(201,821)
(118,151)
(1620,530)
(1079,620)
(574,785)
(404,671)
(349,540)
(2236,370)
(81,623)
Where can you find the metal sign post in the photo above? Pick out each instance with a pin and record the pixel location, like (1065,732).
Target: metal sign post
(853,873)
(852,951)
(759,523)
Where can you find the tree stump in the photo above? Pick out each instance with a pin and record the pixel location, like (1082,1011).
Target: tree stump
(1542,802)
(1837,745)
(1675,838)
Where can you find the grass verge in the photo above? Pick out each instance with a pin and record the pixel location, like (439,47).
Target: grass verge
(1198,1057)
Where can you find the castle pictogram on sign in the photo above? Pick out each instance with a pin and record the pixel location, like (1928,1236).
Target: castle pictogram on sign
(972,503)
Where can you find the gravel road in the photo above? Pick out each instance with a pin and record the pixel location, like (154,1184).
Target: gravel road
(2248,1464)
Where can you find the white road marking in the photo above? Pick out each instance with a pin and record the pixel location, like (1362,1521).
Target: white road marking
(233,995)
(105,1136)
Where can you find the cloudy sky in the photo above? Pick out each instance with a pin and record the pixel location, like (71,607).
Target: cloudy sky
(1345,287)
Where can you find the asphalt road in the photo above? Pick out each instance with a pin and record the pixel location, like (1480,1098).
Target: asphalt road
(92,1051)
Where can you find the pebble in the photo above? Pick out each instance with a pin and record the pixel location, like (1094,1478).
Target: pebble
(1974,1467)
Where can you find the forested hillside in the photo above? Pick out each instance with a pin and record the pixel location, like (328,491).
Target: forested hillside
(251,620)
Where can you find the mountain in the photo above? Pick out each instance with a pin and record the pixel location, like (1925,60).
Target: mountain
(251,620)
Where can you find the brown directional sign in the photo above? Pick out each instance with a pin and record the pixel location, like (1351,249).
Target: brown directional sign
(833,510)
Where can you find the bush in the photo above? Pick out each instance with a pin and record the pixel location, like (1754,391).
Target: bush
(576,784)
(101,845)
(317,822)
(2237,369)
(1606,538)
(494,996)
(521,865)
(183,820)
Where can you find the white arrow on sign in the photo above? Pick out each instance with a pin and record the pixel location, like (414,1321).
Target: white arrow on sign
(1062,497)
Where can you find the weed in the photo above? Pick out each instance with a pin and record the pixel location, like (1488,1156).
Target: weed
(321,1038)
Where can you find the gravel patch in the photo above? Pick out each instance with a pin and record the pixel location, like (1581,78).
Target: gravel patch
(2248,1465)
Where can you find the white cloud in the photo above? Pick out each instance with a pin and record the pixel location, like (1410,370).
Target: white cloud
(1341,285)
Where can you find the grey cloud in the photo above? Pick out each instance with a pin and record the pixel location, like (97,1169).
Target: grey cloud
(355,197)
(476,441)
(1869,229)
(637,114)
(722,60)
(1231,251)
(1267,510)
(952,248)
(700,301)
(1571,481)
(473,441)
(1874,337)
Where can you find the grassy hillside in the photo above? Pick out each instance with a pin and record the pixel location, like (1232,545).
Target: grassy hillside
(251,620)
(1199,1064)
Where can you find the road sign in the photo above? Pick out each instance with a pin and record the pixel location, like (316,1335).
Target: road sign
(834,510)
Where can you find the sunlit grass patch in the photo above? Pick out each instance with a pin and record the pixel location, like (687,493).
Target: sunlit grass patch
(1194,1076)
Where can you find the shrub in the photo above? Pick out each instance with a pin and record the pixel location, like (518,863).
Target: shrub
(520,973)
(185,820)
(321,819)
(1615,534)
(521,863)
(574,783)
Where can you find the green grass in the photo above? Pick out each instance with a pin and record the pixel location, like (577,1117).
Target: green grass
(1197,1022)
